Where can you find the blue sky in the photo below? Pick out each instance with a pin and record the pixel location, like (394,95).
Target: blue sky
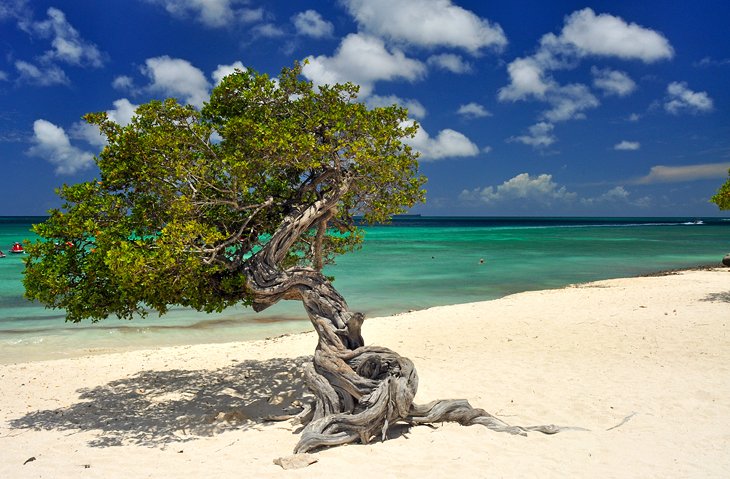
(527,107)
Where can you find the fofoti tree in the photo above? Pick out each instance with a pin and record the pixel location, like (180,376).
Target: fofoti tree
(722,197)
(244,202)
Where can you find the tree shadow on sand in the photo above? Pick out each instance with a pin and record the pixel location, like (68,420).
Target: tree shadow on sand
(718,297)
(154,408)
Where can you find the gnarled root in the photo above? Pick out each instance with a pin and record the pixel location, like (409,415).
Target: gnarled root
(385,390)
(350,408)
(459,410)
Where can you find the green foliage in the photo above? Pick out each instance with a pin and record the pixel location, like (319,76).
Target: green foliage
(722,197)
(186,197)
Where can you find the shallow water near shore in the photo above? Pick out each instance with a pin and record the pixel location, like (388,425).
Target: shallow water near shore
(413,263)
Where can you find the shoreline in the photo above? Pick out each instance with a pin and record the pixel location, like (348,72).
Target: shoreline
(138,335)
(641,362)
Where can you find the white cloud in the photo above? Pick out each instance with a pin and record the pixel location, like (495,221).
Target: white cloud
(584,34)
(450,62)
(178,78)
(415,108)
(711,62)
(680,98)
(310,23)
(122,114)
(540,135)
(527,78)
(68,46)
(268,30)
(617,195)
(13,9)
(52,144)
(607,35)
(568,102)
(123,82)
(473,110)
(627,145)
(680,174)
(634,117)
(539,189)
(250,15)
(614,194)
(224,70)
(3,76)
(447,144)
(364,60)
(426,23)
(45,75)
(212,13)
(612,82)
(541,192)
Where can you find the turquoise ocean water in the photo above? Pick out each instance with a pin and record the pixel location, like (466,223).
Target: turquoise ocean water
(413,263)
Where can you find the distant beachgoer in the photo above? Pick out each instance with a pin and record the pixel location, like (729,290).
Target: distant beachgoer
(481,260)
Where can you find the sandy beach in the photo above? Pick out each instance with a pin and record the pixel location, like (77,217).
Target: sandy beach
(643,364)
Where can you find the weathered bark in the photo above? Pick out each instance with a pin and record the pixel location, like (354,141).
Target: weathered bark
(359,390)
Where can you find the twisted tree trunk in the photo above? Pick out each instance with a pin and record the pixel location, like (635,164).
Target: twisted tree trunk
(359,390)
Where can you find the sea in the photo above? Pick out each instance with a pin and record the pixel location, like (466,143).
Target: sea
(414,262)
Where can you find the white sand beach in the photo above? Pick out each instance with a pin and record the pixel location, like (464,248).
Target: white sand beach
(642,363)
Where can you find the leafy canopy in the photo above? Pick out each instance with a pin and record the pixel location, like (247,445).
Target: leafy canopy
(722,197)
(186,197)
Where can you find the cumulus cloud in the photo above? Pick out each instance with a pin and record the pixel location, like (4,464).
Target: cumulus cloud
(584,34)
(45,75)
(426,23)
(680,174)
(617,195)
(211,13)
(67,45)
(680,99)
(473,110)
(568,102)
(268,30)
(449,61)
(447,144)
(13,9)
(540,189)
(540,135)
(415,108)
(711,62)
(177,78)
(224,70)
(123,82)
(527,79)
(627,145)
(364,60)
(52,144)
(310,23)
(612,82)
(543,192)
(122,114)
